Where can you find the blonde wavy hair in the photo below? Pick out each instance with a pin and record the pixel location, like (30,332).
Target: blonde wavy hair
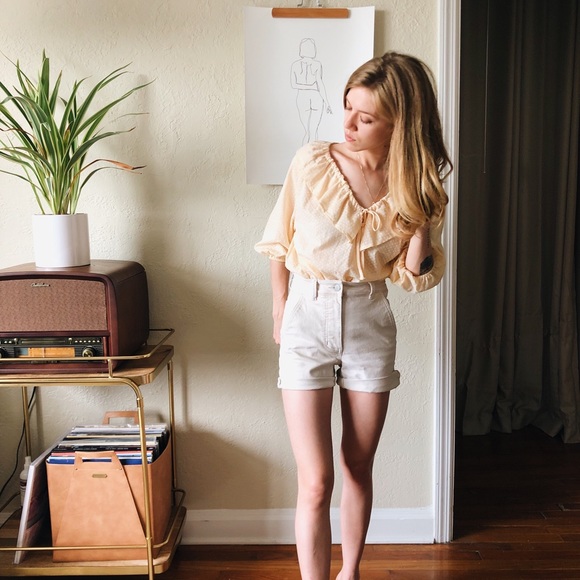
(418,161)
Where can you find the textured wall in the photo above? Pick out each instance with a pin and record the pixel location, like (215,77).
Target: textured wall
(191,220)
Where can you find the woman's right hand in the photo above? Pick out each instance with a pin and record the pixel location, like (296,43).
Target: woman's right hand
(279,277)
(277,315)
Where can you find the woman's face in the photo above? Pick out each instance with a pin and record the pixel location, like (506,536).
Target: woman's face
(364,126)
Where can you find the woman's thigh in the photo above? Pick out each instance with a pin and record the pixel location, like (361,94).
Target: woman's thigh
(308,417)
(363,418)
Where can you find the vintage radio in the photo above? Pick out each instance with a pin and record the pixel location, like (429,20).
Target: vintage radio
(68,316)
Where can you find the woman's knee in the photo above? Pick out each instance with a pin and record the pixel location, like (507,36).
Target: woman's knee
(316,491)
(357,468)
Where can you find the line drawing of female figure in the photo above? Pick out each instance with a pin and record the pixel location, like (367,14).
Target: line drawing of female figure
(311,99)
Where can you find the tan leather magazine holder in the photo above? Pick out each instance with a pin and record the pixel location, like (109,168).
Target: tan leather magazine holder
(100,502)
(97,509)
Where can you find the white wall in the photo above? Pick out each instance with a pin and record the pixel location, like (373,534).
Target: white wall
(191,220)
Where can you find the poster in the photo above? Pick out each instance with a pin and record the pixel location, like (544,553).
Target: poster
(296,70)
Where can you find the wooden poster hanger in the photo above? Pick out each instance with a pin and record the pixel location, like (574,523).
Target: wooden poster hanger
(318,12)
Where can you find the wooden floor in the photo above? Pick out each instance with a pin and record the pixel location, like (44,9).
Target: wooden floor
(517,516)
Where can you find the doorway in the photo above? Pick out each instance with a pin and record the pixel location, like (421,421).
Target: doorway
(518,267)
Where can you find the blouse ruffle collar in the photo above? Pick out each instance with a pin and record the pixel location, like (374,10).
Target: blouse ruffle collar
(334,196)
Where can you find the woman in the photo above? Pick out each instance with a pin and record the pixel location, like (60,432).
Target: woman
(349,216)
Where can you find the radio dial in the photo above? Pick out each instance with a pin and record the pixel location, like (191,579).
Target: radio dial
(88,352)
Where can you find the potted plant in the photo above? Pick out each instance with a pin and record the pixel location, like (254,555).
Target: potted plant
(49,136)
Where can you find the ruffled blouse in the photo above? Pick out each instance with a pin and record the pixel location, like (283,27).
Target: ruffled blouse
(319,229)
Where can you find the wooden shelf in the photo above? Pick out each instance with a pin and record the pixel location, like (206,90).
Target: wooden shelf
(128,371)
(39,562)
(141,370)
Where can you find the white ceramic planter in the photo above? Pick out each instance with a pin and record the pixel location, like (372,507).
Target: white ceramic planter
(61,241)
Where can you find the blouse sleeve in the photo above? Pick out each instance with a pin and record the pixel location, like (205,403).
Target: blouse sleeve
(419,283)
(279,229)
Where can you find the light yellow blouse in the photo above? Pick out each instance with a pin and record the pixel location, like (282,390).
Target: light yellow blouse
(320,231)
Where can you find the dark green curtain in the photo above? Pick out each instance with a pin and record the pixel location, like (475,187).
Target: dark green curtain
(518,291)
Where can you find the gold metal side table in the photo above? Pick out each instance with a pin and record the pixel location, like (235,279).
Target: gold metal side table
(134,372)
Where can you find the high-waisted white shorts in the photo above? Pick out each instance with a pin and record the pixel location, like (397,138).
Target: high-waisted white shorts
(338,333)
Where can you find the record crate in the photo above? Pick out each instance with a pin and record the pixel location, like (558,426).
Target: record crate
(101,503)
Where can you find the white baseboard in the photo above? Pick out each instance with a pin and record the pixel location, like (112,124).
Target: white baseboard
(236,527)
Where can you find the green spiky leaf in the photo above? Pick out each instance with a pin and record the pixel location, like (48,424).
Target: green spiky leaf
(49,136)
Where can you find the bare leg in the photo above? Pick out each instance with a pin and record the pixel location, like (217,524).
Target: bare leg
(308,417)
(363,416)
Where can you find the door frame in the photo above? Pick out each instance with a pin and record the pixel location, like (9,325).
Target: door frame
(444,423)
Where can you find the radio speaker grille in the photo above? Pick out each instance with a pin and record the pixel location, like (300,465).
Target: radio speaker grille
(52,304)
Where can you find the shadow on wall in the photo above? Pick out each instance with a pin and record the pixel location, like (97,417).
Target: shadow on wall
(224,467)
(211,316)
(202,279)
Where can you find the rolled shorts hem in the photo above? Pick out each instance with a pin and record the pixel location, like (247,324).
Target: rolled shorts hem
(381,385)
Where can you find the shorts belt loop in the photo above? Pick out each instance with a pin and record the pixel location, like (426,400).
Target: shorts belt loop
(371,290)
(315,290)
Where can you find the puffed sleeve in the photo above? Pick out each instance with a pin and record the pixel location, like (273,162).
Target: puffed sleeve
(279,229)
(410,282)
